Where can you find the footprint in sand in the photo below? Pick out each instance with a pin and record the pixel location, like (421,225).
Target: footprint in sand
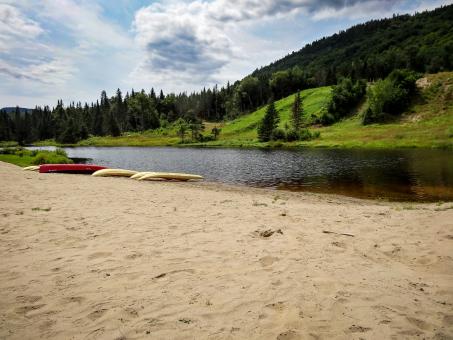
(96,314)
(423,325)
(25,309)
(278,306)
(268,260)
(288,335)
(98,255)
(28,298)
(358,329)
(131,312)
(44,326)
(339,244)
(133,256)
(75,299)
(448,320)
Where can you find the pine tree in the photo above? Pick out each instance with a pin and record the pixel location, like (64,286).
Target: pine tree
(269,122)
(105,111)
(113,126)
(296,112)
(119,113)
(98,121)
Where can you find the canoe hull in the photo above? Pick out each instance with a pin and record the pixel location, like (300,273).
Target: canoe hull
(70,168)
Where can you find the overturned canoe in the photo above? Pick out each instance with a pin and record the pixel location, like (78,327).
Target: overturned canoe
(114,172)
(31,168)
(169,175)
(141,174)
(70,168)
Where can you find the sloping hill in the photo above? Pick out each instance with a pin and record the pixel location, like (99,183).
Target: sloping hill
(427,123)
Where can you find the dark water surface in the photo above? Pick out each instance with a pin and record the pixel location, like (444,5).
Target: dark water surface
(405,175)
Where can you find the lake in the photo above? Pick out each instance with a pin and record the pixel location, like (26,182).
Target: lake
(402,175)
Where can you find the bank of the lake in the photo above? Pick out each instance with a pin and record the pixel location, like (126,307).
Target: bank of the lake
(112,257)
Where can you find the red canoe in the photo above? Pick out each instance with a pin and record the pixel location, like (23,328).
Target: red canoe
(70,168)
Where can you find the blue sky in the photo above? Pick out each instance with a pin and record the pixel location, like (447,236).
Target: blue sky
(74,49)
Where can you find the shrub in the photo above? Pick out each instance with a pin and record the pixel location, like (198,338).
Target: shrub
(292,135)
(305,134)
(390,97)
(20,152)
(345,96)
(49,157)
(278,134)
(61,152)
(326,118)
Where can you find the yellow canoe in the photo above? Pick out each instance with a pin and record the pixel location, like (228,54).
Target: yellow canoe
(31,168)
(169,175)
(114,172)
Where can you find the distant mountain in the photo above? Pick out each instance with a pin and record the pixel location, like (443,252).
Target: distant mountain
(422,42)
(11,110)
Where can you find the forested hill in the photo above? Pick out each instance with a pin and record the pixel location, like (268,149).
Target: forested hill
(422,42)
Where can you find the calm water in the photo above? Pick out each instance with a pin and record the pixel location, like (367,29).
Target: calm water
(412,175)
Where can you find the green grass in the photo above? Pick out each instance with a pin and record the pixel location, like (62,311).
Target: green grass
(23,158)
(17,160)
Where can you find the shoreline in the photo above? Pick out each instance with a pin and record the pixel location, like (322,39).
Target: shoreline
(111,257)
(359,145)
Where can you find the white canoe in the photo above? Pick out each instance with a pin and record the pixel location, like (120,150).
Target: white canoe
(141,174)
(169,175)
(114,172)
(31,168)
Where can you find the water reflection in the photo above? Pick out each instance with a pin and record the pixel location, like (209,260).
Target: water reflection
(417,175)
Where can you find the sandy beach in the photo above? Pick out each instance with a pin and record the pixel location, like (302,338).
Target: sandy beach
(113,258)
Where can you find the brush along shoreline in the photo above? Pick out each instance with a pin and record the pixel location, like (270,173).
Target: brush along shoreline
(107,258)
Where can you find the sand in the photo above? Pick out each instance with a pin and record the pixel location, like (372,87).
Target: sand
(113,258)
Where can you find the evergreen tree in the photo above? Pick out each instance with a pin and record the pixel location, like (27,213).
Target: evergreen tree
(105,111)
(215,132)
(268,123)
(119,113)
(113,126)
(98,121)
(296,112)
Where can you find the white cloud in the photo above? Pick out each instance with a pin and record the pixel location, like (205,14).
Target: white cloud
(53,72)
(65,47)
(84,20)
(15,26)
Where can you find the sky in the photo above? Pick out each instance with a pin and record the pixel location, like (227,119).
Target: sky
(74,49)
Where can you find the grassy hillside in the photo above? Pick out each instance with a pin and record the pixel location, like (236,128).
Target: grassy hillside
(427,123)
(243,129)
